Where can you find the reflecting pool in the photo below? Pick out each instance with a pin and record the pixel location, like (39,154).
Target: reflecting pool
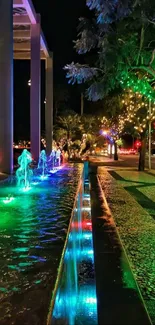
(33,228)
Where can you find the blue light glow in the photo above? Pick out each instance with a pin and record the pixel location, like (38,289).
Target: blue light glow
(87,198)
(87,235)
(43,177)
(91,300)
(53,171)
(86,195)
(56,169)
(80,236)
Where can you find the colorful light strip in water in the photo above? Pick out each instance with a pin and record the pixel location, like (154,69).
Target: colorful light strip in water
(85,225)
(76,302)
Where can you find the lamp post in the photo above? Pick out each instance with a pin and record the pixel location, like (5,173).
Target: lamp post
(82,104)
(105,133)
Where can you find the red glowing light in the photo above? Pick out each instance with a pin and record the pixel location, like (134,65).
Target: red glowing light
(137,144)
(85,225)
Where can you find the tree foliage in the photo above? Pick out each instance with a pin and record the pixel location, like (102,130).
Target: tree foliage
(122,32)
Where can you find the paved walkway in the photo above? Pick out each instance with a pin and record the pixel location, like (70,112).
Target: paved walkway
(123,161)
(141,185)
(119,299)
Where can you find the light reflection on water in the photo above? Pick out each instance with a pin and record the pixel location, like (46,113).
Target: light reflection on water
(33,228)
(76,302)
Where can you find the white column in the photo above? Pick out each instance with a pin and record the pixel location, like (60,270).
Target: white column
(35,89)
(6,86)
(49,104)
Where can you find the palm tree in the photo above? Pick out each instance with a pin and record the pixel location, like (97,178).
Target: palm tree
(71,124)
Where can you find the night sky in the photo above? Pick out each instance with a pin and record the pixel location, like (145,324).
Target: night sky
(59,20)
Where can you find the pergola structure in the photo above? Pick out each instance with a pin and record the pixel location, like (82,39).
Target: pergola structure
(21,38)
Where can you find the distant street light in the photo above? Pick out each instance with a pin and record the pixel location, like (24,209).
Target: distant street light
(45,101)
(104,132)
(29,83)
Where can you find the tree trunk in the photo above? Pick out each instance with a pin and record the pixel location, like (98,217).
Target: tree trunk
(141,166)
(115,151)
(110,155)
(68,138)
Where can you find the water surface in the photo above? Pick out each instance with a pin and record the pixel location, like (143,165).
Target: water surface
(33,229)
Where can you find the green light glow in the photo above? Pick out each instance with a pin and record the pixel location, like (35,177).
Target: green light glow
(20,249)
(31,217)
(26,189)
(138,85)
(7,220)
(37,281)
(23,256)
(15,289)
(128,279)
(3,289)
(13,267)
(25,264)
(24,173)
(8,200)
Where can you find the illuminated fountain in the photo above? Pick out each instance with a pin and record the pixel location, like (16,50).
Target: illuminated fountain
(55,158)
(42,165)
(52,157)
(24,173)
(52,161)
(33,228)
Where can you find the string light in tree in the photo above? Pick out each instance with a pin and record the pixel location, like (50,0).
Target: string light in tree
(137,109)
(113,127)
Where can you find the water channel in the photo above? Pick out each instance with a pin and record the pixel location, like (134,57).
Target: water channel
(76,301)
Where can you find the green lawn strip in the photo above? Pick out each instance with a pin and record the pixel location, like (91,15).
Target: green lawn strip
(137,231)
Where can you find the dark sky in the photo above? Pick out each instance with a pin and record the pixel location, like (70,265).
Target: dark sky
(59,20)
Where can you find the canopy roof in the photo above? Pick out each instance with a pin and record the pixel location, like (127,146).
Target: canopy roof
(23,16)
